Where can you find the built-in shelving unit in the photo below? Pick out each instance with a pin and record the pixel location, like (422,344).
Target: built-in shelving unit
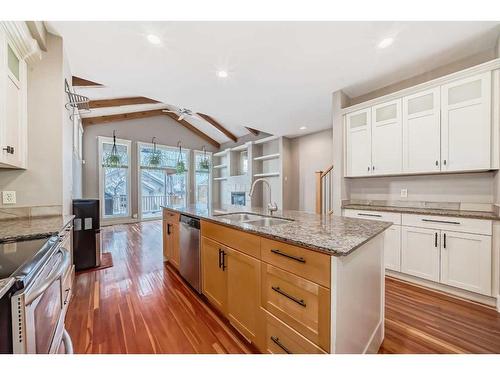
(267,157)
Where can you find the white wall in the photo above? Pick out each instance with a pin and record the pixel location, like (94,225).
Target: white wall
(166,130)
(42,183)
(310,153)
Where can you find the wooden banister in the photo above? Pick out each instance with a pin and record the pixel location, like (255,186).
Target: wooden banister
(323,178)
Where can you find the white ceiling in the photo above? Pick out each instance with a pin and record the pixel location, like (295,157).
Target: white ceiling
(281,74)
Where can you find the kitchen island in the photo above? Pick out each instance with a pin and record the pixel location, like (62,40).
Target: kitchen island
(291,283)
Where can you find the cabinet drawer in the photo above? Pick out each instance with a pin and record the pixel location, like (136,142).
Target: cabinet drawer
(302,304)
(308,264)
(171,217)
(392,217)
(458,224)
(237,239)
(67,285)
(281,339)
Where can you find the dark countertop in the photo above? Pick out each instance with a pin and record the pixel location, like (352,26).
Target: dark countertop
(426,211)
(333,235)
(26,228)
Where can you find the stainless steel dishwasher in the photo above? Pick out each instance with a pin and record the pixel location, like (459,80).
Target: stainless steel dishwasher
(190,267)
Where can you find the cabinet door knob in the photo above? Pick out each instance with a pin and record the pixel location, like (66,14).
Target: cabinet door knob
(444,161)
(437,163)
(9,149)
(368,169)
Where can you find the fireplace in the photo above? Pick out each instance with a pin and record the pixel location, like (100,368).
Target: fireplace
(238,198)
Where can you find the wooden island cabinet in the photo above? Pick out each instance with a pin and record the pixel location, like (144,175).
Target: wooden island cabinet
(171,250)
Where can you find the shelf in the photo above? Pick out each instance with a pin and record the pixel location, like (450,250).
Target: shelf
(268,174)
(267,157)
(220,178)
(265,140)
(242,147)
(220,166)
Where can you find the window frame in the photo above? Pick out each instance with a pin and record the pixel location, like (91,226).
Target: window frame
(210,182)
(187,196)
(128,144)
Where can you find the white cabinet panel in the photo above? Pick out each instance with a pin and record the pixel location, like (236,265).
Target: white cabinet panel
(466,124)
(421,132)
(466,261)
(359,157)
(392,248)
(386,138)
(420,252)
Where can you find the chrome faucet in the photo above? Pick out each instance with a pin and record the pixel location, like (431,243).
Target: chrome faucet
(271,207)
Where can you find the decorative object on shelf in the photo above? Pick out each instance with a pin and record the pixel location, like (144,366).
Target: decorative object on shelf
(181,166)
(113,159)
(204,163)
(155,159)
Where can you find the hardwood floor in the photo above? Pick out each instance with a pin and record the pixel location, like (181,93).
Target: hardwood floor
(142,306)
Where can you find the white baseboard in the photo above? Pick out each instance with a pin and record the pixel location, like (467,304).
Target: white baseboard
(376,339)
(498,303)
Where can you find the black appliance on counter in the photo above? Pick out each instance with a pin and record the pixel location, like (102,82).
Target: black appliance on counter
(86,234)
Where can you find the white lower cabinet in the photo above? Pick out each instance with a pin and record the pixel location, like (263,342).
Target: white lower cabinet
(420,252)
(392,248)
(466,261)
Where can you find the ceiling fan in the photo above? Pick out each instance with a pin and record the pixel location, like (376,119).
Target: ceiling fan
(181,112)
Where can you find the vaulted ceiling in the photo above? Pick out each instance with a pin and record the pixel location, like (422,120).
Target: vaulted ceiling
(280,74)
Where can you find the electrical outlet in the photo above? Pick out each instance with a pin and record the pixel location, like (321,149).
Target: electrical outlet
(9,197)
(404,193)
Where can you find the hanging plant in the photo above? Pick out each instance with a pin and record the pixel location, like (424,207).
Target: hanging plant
(180,166)
(204,163)
(155,159)
(113,159)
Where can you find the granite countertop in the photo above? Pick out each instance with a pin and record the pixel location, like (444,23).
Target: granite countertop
(333,235)
(426,211)
(27,228)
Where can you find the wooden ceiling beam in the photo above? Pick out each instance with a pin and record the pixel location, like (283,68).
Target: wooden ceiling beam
(253,131)
(77,81)
(103,103)
(218,126)
(87,121)
(188,126)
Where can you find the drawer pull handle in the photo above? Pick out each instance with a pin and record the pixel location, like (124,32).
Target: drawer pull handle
(300,302)
(441,221)
(373,215)
(444,240)
(298,259)
(435,239)
(220,258)
(277,341)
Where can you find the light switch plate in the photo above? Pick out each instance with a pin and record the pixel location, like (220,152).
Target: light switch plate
(9,197)
(404,193)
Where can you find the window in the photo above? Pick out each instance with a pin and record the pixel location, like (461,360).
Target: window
(114,178)
(202,185)
(160,182)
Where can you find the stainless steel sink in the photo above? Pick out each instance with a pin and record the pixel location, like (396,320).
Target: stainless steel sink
(254,219)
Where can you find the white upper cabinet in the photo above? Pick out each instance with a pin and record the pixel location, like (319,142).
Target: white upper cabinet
(421,132)
(13,104)
(448,127)
(466,124)
(359,134)
(386,131)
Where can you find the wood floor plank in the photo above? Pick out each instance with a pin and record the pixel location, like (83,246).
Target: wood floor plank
(141,305)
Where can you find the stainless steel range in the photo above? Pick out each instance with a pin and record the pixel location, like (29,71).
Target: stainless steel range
(34,300)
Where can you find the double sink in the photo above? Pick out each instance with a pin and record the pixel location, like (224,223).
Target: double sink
(254,219)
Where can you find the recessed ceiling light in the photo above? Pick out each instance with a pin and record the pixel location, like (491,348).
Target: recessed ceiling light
(153,39)
(303,128)
(222,74)
(386,42)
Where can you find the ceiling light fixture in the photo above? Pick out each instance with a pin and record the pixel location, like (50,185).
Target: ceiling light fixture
(386,42)
(222,74)
(303,128)
(153,39)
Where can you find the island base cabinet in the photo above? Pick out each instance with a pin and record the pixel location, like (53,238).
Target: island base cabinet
(243,295)
(392,248)
(299,303)
(171,246)
(214,277)
(281,339)
(466,261)
(420,252)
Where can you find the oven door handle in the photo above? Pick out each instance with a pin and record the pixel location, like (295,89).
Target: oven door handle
(68,344)
(53,276)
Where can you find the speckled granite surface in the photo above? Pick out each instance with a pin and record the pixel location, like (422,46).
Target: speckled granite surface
(32,227)
(333,235)
(425,211)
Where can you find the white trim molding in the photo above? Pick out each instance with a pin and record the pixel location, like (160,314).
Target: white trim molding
(20,36)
